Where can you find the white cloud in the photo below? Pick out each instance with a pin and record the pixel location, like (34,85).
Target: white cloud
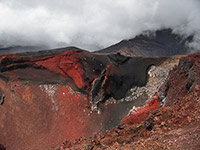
(93,24)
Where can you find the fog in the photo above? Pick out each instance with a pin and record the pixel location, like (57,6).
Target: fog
(93,24)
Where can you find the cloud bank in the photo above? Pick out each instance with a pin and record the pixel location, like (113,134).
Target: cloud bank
(93,24)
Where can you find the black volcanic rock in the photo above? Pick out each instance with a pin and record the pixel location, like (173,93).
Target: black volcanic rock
(46,96)
(2,147)
(175,126)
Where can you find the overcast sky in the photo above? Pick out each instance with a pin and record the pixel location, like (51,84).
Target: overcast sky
(93,24)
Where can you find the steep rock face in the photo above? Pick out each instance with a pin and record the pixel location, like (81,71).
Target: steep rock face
(80,69)
(182,79)
(174,126)
(46,99)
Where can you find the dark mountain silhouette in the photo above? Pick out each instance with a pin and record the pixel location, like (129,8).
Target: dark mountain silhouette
(149,44)
(161,43)
(18,49)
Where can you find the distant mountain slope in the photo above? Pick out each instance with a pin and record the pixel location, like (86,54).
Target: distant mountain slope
(18,49)
(161,43)
(34,50)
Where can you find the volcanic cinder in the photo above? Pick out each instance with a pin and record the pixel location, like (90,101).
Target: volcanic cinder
(48,97)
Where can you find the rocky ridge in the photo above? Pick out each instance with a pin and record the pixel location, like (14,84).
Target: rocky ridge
(154,126)
(67,94)
(44,95)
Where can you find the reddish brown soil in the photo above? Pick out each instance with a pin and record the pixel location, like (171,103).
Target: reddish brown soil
(174,126)
(46,99)
(142,113)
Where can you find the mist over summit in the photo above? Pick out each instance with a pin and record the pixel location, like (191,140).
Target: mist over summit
(91,24)
(103,74)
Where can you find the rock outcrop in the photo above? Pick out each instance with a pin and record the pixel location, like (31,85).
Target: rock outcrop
(47,98)
(51,96)
(182,79)
(174,125)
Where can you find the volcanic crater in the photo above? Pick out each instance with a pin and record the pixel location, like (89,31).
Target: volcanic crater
(115,98)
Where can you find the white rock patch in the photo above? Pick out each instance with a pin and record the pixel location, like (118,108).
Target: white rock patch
(50,90)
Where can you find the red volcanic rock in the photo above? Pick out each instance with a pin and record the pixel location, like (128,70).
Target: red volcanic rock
(66,64)
(42,116)
(142,113)
(182,79)
(175,126)
(47,98)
